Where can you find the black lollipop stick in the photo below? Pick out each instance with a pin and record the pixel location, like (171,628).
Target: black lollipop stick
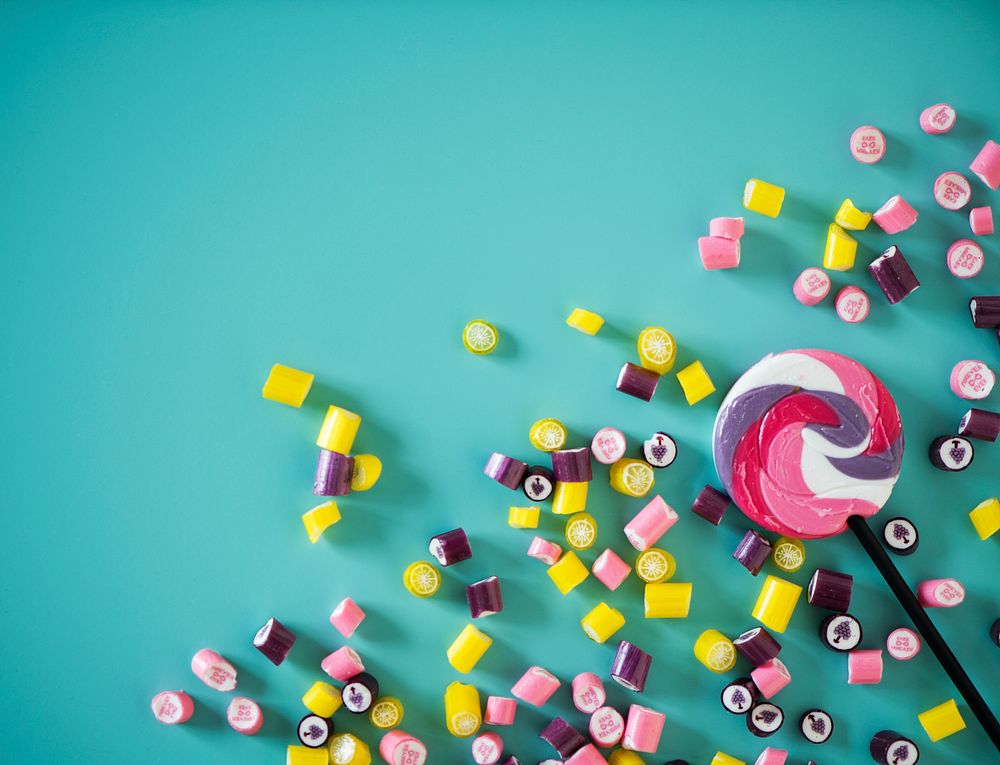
(926,628)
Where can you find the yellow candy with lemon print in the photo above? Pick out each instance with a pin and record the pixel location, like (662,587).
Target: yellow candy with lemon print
(421,579)
(581,531)
(462,712)
(633,478)
(715,651)
(655,565)
(548,435)
(657,350)
(788,554)
(386,712)
(480,337)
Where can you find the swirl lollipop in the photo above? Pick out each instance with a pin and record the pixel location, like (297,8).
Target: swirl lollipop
(809,443)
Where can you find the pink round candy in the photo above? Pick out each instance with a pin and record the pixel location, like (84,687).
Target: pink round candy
(937,119)
(213,670)
(852,305)
(965,258)
(608,446)
(500,710)
(172,707)
(940,593)
(487,748)
(981,220)
(398,747)
(903,644)
(244,716)
(588,692)
(952,190)
(727,228)
(606,727)
(867,144)
(972,380)
(812,286)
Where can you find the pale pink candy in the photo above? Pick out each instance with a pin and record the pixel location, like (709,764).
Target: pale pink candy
(937,119)
(500,710)
(986,165)
(608,445)
(864,667)
(867,144)
(244,716)
(487,748)
(717,253)
(771,677)
(343,664)
(536,686)
(398,747)
(940,593)
(727,228)
(972,380)
(903,643)
(643,729)
(587,755)
(965,258)
(588,692)
(812,286)
(606,727)
(952,190)
(544,550)
(172,707)
(981,220)
(346,617)
(611,569)
(213,670)
(772,756)
(852,304)
(895,215)
(650,523)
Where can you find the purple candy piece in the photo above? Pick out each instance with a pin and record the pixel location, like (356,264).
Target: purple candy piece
(359,693)
(757,646)
(450,547)
(985,310)
(830,590)
(484,596)
(274,640)
(739,695)
(636,381)
(890,748)
(631,666)
(505,470)
(538,483)
(893,274)
(333,474)
(711,505)
(753,551)
(572,465)
(951,453)
(765,719)
(563,737)
(980,423)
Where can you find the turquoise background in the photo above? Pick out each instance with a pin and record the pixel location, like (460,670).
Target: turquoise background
(192,192)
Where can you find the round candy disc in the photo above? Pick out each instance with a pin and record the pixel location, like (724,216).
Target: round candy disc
(951,453)
(952,190)
(841,632)
(765,719)
(804,440)
(868,144)
(903,643)
(901,536)
(816,726)
(314,730)
(965,258)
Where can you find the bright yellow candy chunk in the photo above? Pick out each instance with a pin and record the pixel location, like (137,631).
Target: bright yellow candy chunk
(585,321)
(657,349)
(581,531)
(655,565)
(841,249)
(567,572)
(941,721)
(625,757)
(322,699)
(788,554)
(547,435)
(480,337)
(695,382)
(569,498)
(319,519)
(307,755)
(764,198)
(421,579)
(340,426)
(367,470)
(986,517)
(523,517)
(721,758)
(633,478)
(715,651)
(468,649)
(386,712)
(602,622)
(851,218)
(667,600)
(776,603)
(347,749)
(462,712)
(287,386)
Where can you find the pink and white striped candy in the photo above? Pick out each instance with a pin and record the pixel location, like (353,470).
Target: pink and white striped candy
(812,286)
(588,692)
(343,664)
(852,305)
(772,756)
(952,190)
(244,716)
(895,215)
(487,748)
(346,617)
(500,710)
(727,228)
(937,119)
(940,593)
(610,569)
(867,144)
(172,707)
(650,523)
(771,677)
(981,220)
(718,252)
(986,165)
(972,380)
(606,727)
(213,670)
(536,686)
(965,258)
(903,643)
(864,667)
(643,729)
(544,550)
(608,446)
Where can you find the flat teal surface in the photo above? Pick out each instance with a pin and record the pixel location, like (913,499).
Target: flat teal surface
(192,192)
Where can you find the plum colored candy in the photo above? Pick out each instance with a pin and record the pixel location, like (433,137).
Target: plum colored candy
(951,453)
(450,547)
(562,737)
(636,381)
(274,640)
(765,719)
(505,470)
(900,535)
(893,274)
(753,551)
(660,450)
(739,695)
(890,748)
(572,465)
(985,311)
(360,693)
(757,646)
(484,597)
(538,483)
(840,632)
(314,731)
(631,666)
(816,726)
(711,505)
(981,424)
(830,590)
(333,474)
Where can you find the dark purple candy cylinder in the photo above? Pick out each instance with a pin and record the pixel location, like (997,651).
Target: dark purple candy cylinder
(995,633)
(757,646)
(511,760)
(985,310)
(484,597)
(631,666)
(830,590)
(274,640)
(505,470)
(562,737)
(934,452)
(450,547)
(538,483)
(333,474)
(572,465)
(753,551)
(711,505)
(636,381)
(884,743)
(980,423)
(893,274)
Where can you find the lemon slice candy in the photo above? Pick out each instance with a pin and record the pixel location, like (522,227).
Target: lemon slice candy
(715,651)
(634,478)
(548,435)
(386,712)
(657,349)
(655,565)
(480,337)
(789,554)
(581,531)
(421,579)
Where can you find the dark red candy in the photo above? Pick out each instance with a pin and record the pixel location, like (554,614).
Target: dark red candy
(538,483)
(757,646)
(893,274)
(450,547)
(985,310)
(980,423)
(484,597)
(765,719)
(711,505)
(360,693)
(890,748)
(505,470)
(631,666)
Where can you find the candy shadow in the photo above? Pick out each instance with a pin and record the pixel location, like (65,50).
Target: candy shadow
(276,724)
(249,683)
(307,653)
(376,628)
(898,154)
(970,127)
(799,208)
(507,347)
(763,254)
(205,717)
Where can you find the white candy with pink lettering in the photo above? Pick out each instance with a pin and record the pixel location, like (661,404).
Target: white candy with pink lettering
(952,190)
(965,258)
(172,707)
(940,593)
(213,670)
(972,380)
(867,144)
(607,727)
(487,748)
(812,286)
(852,305)
(903,644)
(244,716)
(608,446)
(937,119)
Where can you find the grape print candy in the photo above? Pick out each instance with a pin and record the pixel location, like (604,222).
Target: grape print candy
(816,726)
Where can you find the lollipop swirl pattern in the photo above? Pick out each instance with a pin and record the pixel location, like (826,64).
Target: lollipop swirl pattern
(805,439)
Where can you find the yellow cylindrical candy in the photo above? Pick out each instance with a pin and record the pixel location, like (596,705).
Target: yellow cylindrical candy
(602,622)
(307,755)
(587,322)
(421,579)
(319,519)
(776,603)
(657,350)
(367,470)
(655,565)
(667,600)
(523,517)
(339,429)
(624,757)
(569,498)
(941,721)
(851,218)
(721,758)
(547,435)
(462,712)
(468,649)
(764,198)
(567,572)
(322,699)
(841,249)
(581,531)
(695,382)
(633,478)
(287,386)
(715,651)
(386,712)
(986,517)
(347,749)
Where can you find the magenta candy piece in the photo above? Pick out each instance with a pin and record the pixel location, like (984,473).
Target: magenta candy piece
(890,748)
(636,381)
(893,274)
(757,646)
(484,597)
(505,470)
(980,423)
(711,505)
(333,474)
(830,590)
(450,547)
(572,465)
(274,640)
(562,737)
(631,666)
(753,551)
(985,310)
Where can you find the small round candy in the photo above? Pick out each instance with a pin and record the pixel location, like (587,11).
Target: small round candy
(314,730)
(903,643)
(547,435)
(487,748)
(840,632)
(581,531)
(981,220)
(360,693)
(660,450)
(972,380)
(739,695)
(937,119)
(816,726)
(606,727)
(788,554)
(538,483)
(812,286)
(901,536)
(386,712)
(172,707)
(480,337)
(244,716)
(764,719)
(655,565)
(421,579)
(952,190)
(608,446)
(868,144)
(852,304)
(951,453)
(965,258)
